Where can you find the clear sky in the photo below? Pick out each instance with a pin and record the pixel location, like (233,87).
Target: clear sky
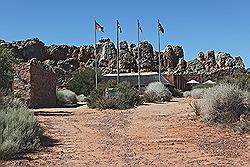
(197,25)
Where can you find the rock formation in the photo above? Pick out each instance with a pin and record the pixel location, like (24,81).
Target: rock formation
(63,59)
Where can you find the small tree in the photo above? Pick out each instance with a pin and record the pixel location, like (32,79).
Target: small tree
(83,81)
(7,59)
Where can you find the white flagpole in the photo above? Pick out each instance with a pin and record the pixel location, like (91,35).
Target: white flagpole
(159,49)
(139,60)
(96,65)
(117,45)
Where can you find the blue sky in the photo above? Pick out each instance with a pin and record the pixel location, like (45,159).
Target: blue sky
(197,25)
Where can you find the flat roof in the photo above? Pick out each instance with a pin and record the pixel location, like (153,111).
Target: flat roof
(132,74)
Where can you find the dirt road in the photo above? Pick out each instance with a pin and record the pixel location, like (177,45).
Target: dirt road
(149,135)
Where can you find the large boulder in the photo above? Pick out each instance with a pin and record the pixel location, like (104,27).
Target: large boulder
(147,56)
(106,54)
(210,60)
(126,59)
(57,52)
(171,57)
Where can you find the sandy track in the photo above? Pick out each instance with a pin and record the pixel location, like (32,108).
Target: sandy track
(149,135)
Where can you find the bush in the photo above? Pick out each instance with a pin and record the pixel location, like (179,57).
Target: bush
(19,130)
(224,103)
(65,96)
(156,92)
(7,59)
(10,102)
(197,93)
(241,80)
(175,92)
(83,81)
(202,86)
(81,98)
(120,96)
(187,93)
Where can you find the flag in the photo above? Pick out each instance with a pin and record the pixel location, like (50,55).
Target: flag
(119,26)
(139,26)
(99,27)
(160,27)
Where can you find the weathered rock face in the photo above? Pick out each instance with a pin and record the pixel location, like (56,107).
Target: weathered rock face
(63,59)
(106,53)
(147,56)
(127,62)
(171,57)
(31,48)
(211,62)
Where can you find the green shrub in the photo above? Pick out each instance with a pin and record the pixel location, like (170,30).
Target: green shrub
(187,93)
(175,92)
(7,60)
(202,86)
(65,96)
(241,80)
(83,81)
(120,96)
(197,93)
(19,130)
(156,92)
(224,103)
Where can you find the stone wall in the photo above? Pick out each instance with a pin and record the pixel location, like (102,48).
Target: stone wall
(35,85)
(21,85)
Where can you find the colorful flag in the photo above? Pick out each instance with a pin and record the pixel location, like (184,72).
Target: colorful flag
(160,27)
(99,27)
(119,26)
(139,26)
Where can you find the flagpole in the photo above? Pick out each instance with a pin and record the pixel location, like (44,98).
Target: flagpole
(96,66)
(139,61)
(159,49)
(117,45)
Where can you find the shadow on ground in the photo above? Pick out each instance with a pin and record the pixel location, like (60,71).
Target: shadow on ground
(53,113)
(47,141)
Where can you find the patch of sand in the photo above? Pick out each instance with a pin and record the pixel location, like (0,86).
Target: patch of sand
(149,135)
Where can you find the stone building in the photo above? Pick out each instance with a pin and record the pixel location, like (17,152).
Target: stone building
(35,85)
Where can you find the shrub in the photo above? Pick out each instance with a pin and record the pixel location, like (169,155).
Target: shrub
(241,80)
(19,130)
(202,86)
(197,93)
(224,103)
(83,81)
(194,104)
(187,93)
(175,92)
(65,96)
(81,98)
(156,91)
(120,96)
(7,59)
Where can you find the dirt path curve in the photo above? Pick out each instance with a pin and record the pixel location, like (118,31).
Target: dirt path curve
(150,135)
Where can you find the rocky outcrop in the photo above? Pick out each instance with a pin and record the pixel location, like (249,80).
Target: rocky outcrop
(171,57)
(211,62)
(63,59)
(127,61)
(31,48)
